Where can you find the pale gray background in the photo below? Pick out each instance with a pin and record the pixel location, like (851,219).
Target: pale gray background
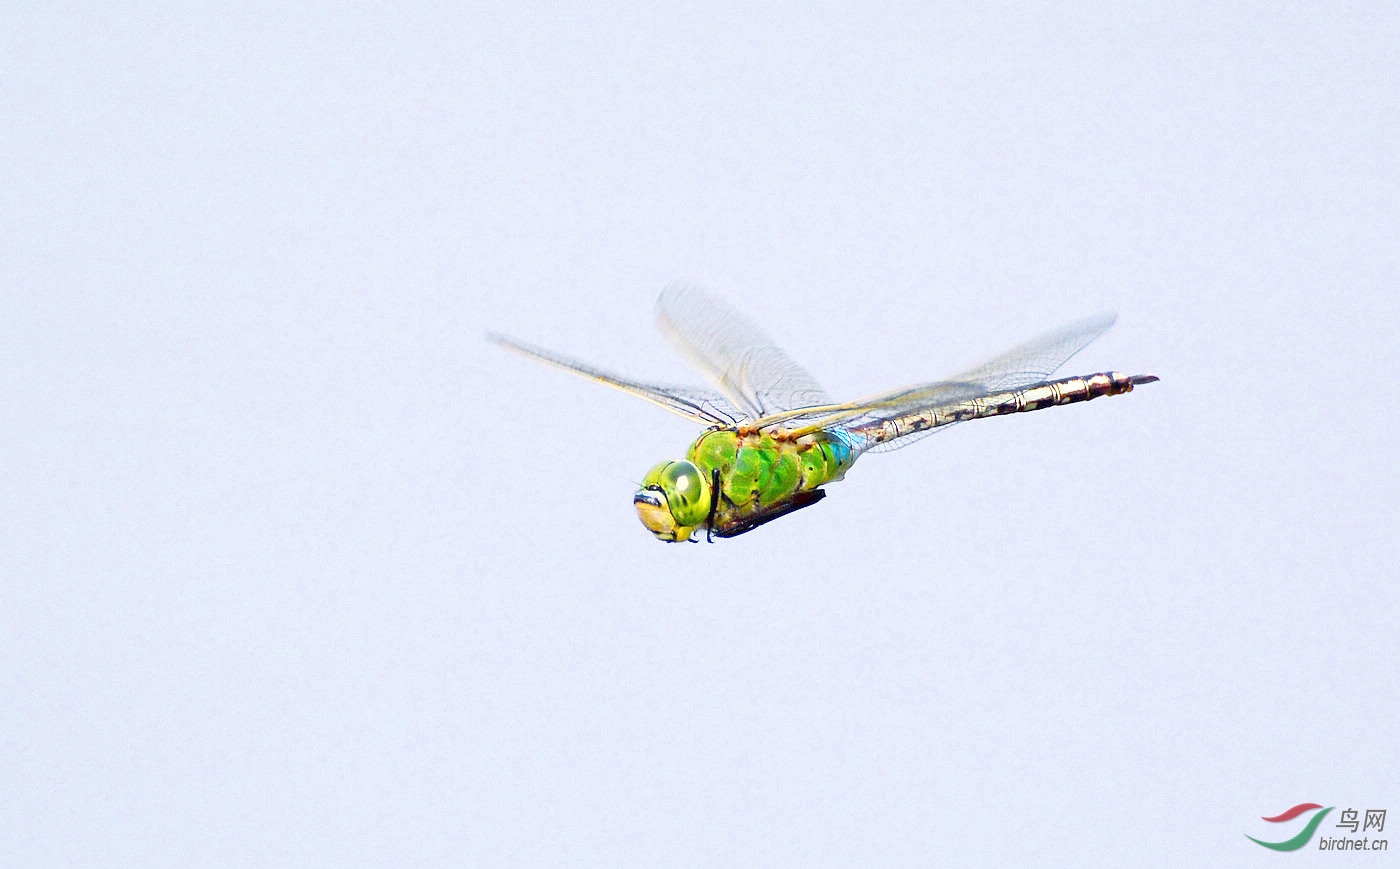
(298,570)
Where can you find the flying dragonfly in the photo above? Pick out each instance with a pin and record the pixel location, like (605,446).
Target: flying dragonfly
(773,437)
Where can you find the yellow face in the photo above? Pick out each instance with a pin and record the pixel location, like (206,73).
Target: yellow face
(674,500)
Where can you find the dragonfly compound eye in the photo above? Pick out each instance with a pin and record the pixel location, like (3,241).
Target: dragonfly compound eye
(673,500)
(687,491)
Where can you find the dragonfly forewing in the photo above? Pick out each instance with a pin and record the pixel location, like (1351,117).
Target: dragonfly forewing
(695,403)
(747,365)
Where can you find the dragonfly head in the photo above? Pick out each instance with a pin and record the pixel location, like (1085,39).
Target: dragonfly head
(674,500)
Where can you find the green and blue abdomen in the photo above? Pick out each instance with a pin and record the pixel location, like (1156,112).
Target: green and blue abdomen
(758,471)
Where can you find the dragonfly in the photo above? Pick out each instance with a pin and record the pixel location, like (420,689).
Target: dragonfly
(773,437)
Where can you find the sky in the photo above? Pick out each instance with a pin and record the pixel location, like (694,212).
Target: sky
(298,569)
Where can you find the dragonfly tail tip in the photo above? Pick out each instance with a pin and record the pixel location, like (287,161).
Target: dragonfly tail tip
(1140,379)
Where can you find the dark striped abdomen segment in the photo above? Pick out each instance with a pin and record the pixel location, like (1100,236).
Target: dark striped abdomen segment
(1066,391)
(1055,392)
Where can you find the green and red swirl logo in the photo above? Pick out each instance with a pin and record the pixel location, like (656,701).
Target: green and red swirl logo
(1304,835)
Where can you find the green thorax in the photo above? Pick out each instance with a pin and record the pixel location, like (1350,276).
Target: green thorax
(758,472)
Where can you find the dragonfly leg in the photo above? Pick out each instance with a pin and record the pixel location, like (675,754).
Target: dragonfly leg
(714,506)
(802,499)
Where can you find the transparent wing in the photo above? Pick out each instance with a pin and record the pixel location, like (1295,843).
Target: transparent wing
(757,376)
(1027,365)
(1036,360)
(701,405)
